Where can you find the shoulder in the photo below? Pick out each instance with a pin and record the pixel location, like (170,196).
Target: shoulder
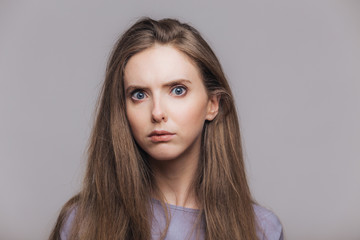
(268,224)
(65,230)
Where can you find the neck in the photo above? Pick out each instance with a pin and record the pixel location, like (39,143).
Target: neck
(174,179)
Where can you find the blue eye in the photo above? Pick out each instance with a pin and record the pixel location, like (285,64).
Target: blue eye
(178,90)
(138,95)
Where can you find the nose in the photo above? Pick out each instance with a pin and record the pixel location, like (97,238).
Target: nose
(158,113)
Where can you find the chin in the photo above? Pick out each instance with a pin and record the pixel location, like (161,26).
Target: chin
(163,152)
(163,157)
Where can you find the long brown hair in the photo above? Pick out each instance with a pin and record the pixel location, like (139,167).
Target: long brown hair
(115,199)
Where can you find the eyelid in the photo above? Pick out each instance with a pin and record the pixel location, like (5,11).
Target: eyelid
(132,92)
(179,86)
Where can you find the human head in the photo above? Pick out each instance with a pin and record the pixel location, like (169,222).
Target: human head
(143,35)
(165,91)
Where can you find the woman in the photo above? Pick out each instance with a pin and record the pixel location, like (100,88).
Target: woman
(165,158)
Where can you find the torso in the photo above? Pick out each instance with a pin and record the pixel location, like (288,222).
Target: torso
(183,219)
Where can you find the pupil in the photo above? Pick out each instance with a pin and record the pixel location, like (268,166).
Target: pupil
(140,95)
(178,90)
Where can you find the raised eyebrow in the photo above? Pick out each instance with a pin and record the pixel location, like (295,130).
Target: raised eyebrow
(131,88)
(175,82)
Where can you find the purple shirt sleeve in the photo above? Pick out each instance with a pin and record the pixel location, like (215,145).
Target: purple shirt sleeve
(65,231)
(269,226)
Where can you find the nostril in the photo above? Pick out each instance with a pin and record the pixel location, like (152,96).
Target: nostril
(158,113)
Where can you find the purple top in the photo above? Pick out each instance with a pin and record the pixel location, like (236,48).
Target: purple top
(183,219)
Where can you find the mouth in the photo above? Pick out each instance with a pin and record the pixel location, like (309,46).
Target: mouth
(161,136)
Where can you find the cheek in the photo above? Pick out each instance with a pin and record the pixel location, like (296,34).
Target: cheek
(136,119)
(191,115)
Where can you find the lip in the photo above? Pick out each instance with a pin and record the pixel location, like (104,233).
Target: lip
(161,136)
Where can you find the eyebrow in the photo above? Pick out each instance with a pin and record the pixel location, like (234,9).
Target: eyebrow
(168,84)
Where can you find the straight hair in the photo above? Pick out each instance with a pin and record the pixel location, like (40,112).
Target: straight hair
(115,200)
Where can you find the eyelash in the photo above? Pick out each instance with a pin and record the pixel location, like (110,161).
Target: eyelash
(180,86)
(143,92)
(135,92)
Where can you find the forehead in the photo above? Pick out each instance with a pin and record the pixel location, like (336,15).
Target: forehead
(160,64)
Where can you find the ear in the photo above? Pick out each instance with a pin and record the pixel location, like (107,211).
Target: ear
(212,107)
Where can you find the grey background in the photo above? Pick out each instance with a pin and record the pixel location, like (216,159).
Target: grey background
(295,71)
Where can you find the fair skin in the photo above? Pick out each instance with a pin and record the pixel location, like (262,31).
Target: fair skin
(167,105)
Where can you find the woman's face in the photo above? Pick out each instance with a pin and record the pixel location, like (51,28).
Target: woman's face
(166,103)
